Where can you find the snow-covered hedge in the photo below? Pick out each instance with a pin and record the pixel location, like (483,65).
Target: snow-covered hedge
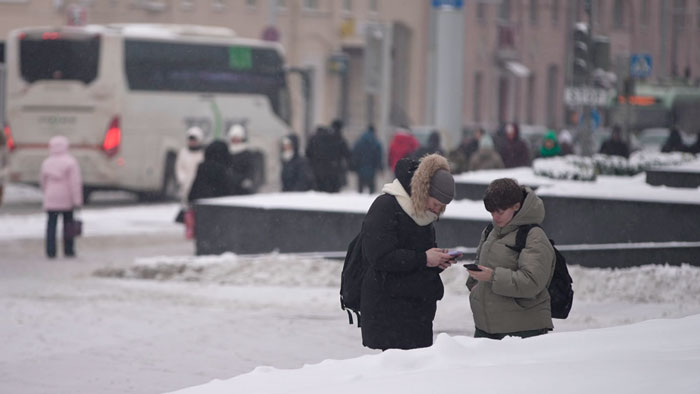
(587,168)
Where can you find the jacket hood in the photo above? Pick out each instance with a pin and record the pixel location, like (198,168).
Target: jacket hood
(531,212)
(420,182)
(58,145)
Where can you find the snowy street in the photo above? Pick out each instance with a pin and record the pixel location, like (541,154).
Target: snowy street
(93,324)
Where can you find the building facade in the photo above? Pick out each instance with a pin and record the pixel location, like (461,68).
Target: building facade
(517,55)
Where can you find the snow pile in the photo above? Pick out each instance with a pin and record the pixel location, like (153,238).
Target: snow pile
(230,269)
(646,284)
(648,357)
(574,168)
(587,168)
(144,219)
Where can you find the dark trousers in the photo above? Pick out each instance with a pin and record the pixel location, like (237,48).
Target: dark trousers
(365,181)
(68,242)
(478,333)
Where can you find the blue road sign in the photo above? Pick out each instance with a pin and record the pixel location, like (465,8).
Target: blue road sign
(448,3)
(640,65)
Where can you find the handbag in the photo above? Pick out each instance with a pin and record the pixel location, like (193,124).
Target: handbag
(74,228)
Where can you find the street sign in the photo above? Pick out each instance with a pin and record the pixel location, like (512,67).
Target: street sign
(448,3)
(582,95)
(640,65)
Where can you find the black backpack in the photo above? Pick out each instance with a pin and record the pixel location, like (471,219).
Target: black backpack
(354,269)
(560,290)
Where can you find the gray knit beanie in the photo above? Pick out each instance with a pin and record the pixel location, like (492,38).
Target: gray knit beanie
(442,186)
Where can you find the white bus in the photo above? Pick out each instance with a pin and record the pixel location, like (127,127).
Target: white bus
(124,96)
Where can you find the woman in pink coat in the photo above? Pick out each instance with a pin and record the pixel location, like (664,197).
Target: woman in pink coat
(63,192)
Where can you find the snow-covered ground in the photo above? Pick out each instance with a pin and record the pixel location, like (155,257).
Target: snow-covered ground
(137,313)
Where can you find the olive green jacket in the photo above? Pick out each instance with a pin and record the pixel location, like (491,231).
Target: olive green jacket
(516,298)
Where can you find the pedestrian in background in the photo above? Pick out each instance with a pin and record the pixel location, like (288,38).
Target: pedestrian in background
(4,164)
(513,150)
(674,142)
(402,144)
(566,142)
(188,159)
(615,146)
(213,177)
(340,146)
(486,157)
(296,174)
(62,186)
(550,145)
(460,156)
(367,159)
(326,155)
(508,295)
(434,145)
(242,161)
(402,283)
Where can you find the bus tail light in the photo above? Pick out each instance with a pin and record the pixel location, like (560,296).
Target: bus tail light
(113,138)
(8,138)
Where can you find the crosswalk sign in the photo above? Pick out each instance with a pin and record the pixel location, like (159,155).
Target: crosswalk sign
(640,65)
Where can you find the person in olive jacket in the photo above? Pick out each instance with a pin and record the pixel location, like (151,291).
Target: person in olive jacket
(402,285)
(509,295)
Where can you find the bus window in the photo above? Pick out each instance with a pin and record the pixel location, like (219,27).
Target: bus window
(183,67)
(53,57)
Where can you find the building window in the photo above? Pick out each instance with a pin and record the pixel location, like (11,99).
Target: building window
(347,5)
(504,13)
(530,99)
(645,13)
(311,4)
(281,4)
(698,15)
(477,96)
(679,13)
(618,14)
(555,12)
(480,11)
(533,12)
(374,5)
(251,3)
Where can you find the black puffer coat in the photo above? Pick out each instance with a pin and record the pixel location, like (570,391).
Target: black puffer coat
(399,292)
(213,177)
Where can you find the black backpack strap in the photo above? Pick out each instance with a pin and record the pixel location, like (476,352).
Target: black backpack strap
(487,230)
(521,237)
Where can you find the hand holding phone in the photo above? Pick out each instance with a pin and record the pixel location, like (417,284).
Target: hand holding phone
(455,253)
(472,267)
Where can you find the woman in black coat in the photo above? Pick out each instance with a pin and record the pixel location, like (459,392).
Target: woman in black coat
(402,285)
(214,178)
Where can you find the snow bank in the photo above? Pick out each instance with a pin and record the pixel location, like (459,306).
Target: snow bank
(649,357)
(144,219)
(646,284)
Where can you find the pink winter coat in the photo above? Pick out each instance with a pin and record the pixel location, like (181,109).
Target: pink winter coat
(60,178)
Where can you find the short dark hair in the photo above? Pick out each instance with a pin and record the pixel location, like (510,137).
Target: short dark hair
(502,193)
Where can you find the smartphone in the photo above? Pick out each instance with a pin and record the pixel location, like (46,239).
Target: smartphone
(454,253)
(472,267)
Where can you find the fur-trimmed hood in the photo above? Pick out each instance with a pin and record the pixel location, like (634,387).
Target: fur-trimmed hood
(415,201)
(420,183)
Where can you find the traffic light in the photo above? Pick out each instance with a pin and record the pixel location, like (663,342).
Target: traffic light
(581,54)
(600,53)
